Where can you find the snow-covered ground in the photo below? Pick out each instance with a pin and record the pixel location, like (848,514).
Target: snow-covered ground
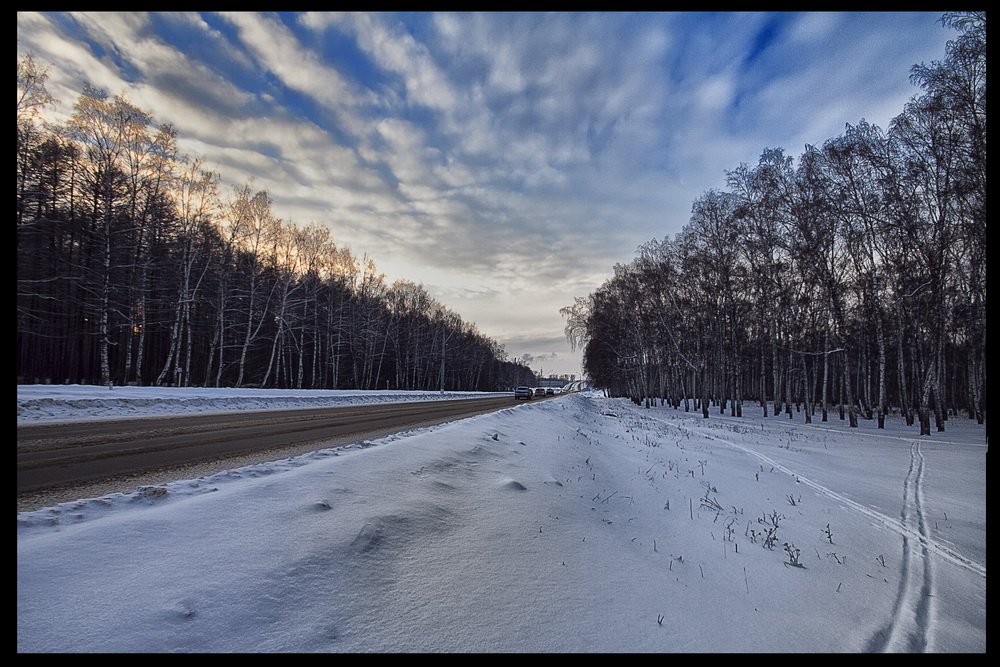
(46,403)
(581,524)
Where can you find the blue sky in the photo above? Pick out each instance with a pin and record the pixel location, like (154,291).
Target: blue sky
(505,161)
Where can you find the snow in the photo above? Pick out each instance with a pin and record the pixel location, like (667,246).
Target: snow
(578,524)
(47,403)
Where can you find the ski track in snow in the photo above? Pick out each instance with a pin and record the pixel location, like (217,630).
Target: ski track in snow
(909,628)
(918,534)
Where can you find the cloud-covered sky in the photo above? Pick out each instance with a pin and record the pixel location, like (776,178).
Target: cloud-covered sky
(506,161)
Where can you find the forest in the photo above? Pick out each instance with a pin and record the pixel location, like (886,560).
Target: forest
(135,267)
(851,280)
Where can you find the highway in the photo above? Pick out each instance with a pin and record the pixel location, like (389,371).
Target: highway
(67,461)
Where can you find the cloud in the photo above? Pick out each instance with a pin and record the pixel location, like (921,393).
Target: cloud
(505,160)
(278,52)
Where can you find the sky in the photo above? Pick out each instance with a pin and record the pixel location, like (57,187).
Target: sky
(506,161)
(577,524)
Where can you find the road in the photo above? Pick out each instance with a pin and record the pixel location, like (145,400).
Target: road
(63,462)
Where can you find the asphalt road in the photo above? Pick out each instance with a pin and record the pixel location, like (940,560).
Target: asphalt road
(63,462)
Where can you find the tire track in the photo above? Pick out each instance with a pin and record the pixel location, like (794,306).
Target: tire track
(903,528)
(909,628)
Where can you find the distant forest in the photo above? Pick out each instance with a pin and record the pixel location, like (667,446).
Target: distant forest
(134,268)
(854,281)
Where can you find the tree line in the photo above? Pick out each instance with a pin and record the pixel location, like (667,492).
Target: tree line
(134,267)
(852,279)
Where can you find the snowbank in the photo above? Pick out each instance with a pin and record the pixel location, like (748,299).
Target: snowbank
(581,524)
(46,403)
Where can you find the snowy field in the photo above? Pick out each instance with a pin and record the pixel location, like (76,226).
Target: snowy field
(47,403)
(580,524)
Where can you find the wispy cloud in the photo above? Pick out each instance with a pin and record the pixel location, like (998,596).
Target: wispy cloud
(505,160)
